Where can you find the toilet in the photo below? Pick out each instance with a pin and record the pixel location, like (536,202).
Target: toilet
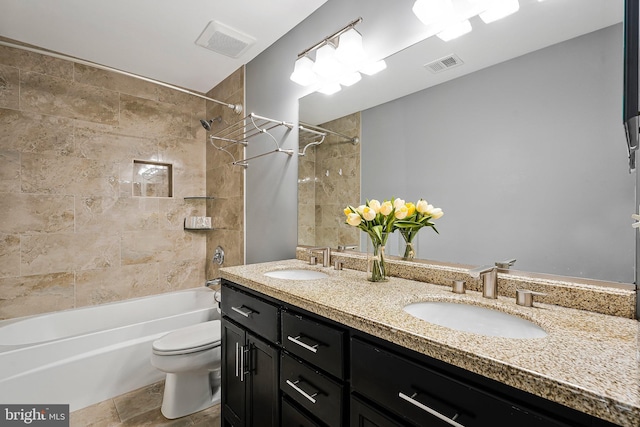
(191,358)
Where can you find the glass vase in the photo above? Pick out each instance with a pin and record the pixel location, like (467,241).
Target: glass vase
(376,266)
(409,248)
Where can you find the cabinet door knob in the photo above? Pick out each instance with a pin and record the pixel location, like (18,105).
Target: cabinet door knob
(312,348)
(432,411)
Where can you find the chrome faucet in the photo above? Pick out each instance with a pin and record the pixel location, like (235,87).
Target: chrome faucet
(503,266)
(489,274)
(342,248)
(326,254)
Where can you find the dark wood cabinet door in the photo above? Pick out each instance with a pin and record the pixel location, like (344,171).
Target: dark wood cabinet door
(233,379)
(262,387)
(362,415)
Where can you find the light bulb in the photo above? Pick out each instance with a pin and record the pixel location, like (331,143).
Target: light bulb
(327,65)
(373,67)
(303,73)
(330,88)
(499,9)
(350,50)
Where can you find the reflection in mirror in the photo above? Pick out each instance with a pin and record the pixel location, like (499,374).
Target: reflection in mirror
(527,159)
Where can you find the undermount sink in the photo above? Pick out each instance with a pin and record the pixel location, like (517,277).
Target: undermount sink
(297,274)
(475,319)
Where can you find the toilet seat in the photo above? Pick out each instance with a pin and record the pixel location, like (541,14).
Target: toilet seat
(192,339)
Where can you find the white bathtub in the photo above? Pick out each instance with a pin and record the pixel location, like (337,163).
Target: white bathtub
(86,355)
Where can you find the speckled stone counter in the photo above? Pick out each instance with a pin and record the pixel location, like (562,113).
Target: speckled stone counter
(588,361)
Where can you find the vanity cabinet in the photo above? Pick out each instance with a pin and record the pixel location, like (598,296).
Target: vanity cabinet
(249,361)
(285,366)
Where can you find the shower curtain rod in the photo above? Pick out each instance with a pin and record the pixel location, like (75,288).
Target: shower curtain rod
(237,108)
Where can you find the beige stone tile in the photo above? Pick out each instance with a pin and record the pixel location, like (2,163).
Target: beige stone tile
(9,255)
(35,133)
(95,213)
(154,418)
(149,118)
(27,295)
(229,86)
(225,181)
(173,211)
(29,61)
(103,414)
(9,87)
(116,284)
(50,174)
(51,95)
(9,171)
(115,82)
(112,144)
(29,213)
(141,247)
(182,274)
(188,158)
(228,213)
(140,401)
(58,252)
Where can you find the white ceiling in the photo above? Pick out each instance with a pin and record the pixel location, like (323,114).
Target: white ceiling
(151,38)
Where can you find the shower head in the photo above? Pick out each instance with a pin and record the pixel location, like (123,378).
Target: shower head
(207,124)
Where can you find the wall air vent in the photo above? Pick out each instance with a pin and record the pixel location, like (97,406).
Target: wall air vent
(223,39)
(444,63)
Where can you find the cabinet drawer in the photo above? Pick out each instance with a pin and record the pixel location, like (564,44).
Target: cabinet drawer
(316,343)
(292,417)
(251,312)
(428,398)
(313,391)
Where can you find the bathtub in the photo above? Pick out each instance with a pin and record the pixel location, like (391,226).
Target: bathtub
(86,355)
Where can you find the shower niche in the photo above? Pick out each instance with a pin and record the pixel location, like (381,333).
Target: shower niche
(152,179)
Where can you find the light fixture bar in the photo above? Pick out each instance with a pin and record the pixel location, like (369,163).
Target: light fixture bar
(331,37)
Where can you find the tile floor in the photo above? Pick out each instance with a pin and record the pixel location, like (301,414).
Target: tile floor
(139,408)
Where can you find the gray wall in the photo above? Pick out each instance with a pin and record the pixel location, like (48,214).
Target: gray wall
(271,182)
(526,158)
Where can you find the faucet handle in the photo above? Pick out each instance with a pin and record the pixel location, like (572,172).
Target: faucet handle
(342,248)
(504,265)
(524,297)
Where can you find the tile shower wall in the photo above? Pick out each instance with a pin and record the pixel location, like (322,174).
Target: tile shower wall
(329,180)
(71,232)
(225,182)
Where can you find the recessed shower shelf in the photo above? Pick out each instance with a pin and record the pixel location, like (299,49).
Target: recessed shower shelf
(243,130)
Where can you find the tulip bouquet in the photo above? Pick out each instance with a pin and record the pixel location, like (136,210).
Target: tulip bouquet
(419,215)
(378,221)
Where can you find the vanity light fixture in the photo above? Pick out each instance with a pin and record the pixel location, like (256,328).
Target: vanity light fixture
(450,18)
(339,61)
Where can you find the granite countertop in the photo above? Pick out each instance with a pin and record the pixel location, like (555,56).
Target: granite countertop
(588,361)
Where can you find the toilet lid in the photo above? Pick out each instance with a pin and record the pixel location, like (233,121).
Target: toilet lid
(198,337)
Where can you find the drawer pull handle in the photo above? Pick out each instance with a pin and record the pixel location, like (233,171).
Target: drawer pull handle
(433,412)
(309,397)
(245,311)
(312,348)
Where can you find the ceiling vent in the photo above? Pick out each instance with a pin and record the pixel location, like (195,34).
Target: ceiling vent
(444,63)
(225,40)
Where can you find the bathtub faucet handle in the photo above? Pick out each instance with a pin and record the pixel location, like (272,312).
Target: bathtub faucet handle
(212,282)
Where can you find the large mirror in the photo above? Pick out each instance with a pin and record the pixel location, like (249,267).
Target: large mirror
(522,145)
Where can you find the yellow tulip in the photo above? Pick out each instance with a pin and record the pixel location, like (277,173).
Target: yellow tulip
(411,207)
(422,206)
(347,211)
(368,213)
(354,219)
(386,207)
(360,209)
(375,205)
